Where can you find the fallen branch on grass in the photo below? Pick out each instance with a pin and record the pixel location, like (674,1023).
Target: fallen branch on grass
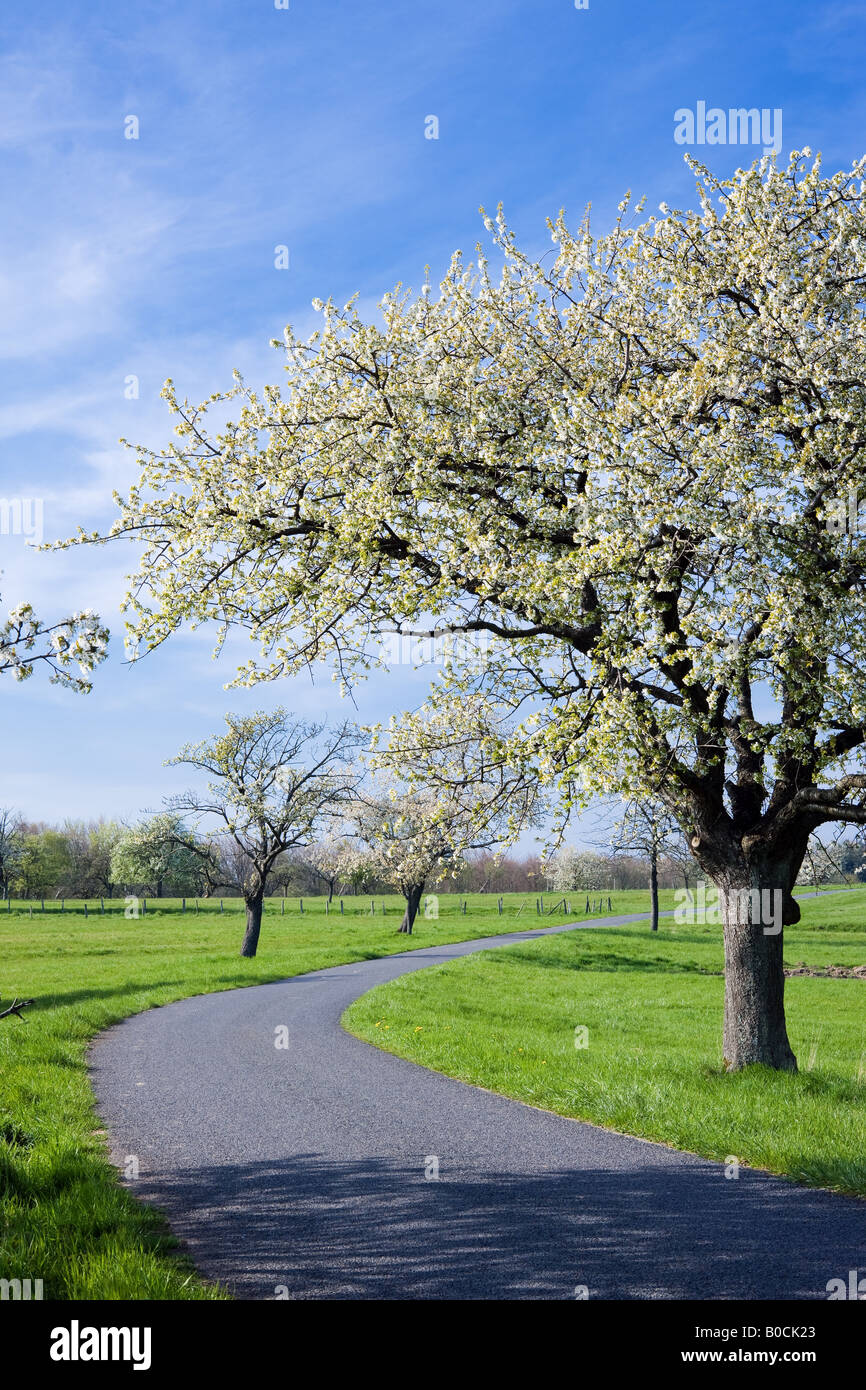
(15,1008)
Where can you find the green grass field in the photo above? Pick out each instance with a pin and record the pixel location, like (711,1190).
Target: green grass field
(67,1221)
(64,1217)
(652,1006)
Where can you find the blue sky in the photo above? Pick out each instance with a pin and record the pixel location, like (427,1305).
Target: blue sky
(301,127)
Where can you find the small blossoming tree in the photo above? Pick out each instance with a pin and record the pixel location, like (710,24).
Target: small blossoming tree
(329,861)
(157,849)
(406,842)
(647,828)
(274,783)
(572,870)
(413,836)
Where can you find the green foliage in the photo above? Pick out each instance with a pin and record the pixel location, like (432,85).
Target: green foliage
(154,852)
(44,863)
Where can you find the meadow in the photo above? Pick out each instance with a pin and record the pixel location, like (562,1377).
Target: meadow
(65,1219)
(506,1020)
(623,1028)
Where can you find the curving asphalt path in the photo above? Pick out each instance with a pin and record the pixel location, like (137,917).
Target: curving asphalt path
(300,1172)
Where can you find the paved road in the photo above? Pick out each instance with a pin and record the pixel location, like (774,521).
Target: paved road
(301,1172)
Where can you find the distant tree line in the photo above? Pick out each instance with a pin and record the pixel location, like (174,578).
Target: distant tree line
(287,808)
(159,856)
(105,858)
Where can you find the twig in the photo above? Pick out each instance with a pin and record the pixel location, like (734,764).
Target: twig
(15,1008)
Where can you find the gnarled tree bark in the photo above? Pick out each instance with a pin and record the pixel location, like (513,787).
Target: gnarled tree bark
(254,904)
(413,902)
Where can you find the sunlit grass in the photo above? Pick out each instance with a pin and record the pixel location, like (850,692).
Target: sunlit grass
(652,1008)
(65,1219)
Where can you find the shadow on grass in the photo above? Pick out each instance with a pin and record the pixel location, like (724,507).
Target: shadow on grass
(53,1000)
(376,1229)
(820,1083)
(609,963)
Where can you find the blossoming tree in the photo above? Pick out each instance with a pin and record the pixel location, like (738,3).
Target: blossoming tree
(618,464)
(572,870)
(647,828)
(413,836)
(275,781)
(328,861)
(403,841)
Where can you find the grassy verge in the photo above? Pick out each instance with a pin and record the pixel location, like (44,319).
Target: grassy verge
(652,1008)
(65,1219)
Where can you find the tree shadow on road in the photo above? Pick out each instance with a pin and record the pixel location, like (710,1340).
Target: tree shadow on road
(379,1229)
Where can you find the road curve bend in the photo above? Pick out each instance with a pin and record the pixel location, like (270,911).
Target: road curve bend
(301,1171)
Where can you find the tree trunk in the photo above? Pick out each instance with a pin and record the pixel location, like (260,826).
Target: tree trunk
(654,888)
(413,901)
(254,904)
(753,913)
